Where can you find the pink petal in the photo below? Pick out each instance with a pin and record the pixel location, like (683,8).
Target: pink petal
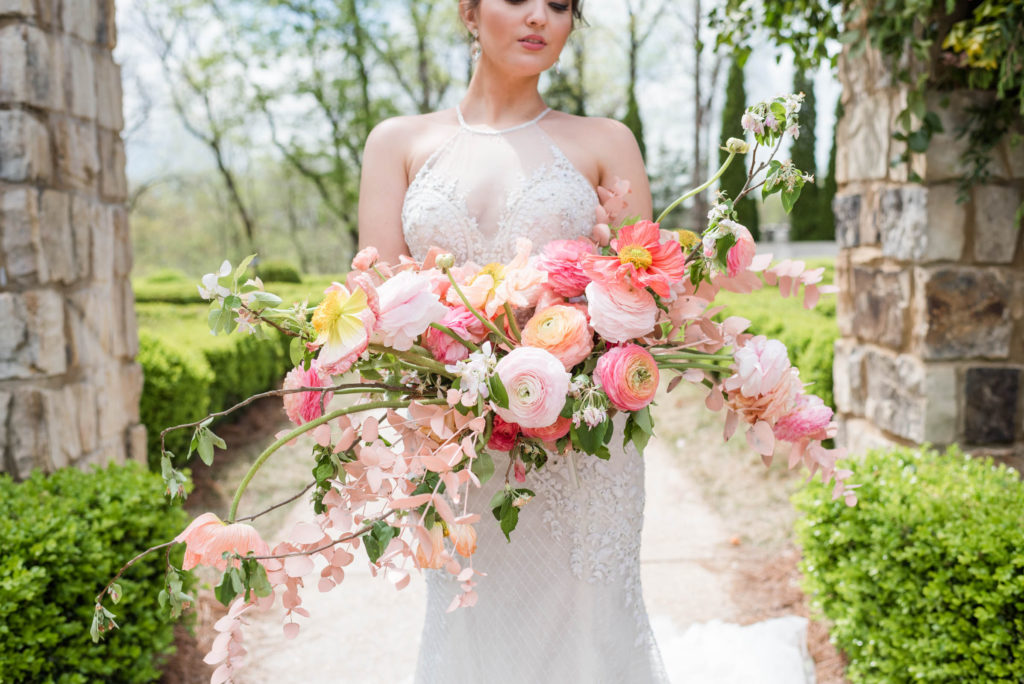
(714,400)
(325,585)
(306,533)
(322,434)
(811,295)
(761,438)
(291,630)
(444,510)
(409,501)
(298,566)
(347,439)
(370,429)
(731,421)
(221,674)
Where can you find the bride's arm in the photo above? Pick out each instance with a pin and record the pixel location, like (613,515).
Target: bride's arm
(620,158)
(382,189)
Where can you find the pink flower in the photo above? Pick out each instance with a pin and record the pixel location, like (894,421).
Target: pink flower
(807,420)
(629,376)
(407,307)
(517,283)
(432,556)
(503,435)
(613,201)
(365,259)
(641,258)
(536,383)
(751,122)
(207,538)
(560,428)
(741,254)
(601,234)
(464,538)
(464,324)
(561,330)
(561,261)
(620,313)
(303,407)
(343,321)
(759,366)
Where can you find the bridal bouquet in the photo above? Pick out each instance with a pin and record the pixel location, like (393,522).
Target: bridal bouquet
(411,376)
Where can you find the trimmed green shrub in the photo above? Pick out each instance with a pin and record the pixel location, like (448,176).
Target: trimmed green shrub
(924,579)
(245,367)
(63,538)
(168,275)
(274,271)
(175,390)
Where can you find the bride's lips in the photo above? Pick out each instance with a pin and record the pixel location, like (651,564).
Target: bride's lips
(533,42)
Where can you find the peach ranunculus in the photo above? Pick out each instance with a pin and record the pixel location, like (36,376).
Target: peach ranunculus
(303,407)
(560,428)
(536,383)
(563,331)
(561,259)
(641,257)
(207,538)
(343,322)
(629,376)
(517,283)
(463,323)
(464,538)
(620,313)
(503,434)
(407,307)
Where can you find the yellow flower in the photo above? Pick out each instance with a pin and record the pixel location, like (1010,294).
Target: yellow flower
(339,322)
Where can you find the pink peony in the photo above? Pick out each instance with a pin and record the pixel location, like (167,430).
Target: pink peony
(640,258)
(741,254)
(560,428)
(207,538)
(561,260)
(807,420)
(407,307)
(464,324)
(536,383)
(620,313)
(759,366)
(563,331)
(629,376)
(503,435)
(303,407)
(365,259)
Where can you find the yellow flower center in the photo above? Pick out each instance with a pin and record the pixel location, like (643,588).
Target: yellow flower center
(337,316)
(327,313)
(636,255)
(688,238)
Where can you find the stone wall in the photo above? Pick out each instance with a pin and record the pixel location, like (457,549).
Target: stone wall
(931,307)
(69,386)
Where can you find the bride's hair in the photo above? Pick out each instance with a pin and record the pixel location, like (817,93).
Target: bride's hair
(577,8)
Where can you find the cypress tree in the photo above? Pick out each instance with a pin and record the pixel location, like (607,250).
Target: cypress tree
(806,221)
(828,192)
(633,120)
(735,176)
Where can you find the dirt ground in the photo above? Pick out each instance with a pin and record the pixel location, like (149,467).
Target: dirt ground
(737,557)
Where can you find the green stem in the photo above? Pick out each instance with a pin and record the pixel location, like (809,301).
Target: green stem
(696,356)
(487,324)
(413,358)
(696,191)
(689,366)
(512,323)
(455,336)
(372,406)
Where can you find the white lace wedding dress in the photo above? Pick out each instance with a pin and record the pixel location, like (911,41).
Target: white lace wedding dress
(561,603)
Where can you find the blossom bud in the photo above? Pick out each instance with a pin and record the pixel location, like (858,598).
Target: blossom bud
(736,146)
(445,261)
(602,234)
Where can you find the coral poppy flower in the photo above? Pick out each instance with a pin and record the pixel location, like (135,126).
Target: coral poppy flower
(207,538)
(641,257)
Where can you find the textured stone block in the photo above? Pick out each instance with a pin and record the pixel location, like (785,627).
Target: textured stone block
(122,242)
(846,209)
(5,406)
(81,79)
(911,399)
(13,334)
(848,385)
(24,148)
(48,13)
(992,400)
(90,322)
(84,396)
(921,224)
(29,67)
(19,229)
(131,325)
(864,129)
(102,241)
(106,26)
(84,215)
(55,236)
(109,111)
(881,300)
(44,315)
(859,436)
(78,159)
(34,438)
(996,236)
(78,17)
(962,313)
(114,185)
(943,161)
(22,8)
(137,446)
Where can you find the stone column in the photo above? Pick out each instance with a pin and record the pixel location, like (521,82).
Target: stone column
(931,304)
(69,385)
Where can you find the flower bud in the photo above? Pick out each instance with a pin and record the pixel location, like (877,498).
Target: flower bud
(445,261)
(736,146)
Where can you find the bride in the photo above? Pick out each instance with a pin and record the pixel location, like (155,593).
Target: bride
(562,602)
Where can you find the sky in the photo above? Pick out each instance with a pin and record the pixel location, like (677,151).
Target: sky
(161,146)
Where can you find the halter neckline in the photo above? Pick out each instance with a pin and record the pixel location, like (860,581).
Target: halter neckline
(484,131)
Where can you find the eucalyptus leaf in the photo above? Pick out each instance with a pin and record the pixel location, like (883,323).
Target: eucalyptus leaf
(483,466)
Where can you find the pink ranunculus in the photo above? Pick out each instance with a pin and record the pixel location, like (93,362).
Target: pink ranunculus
(629,376)
(560,428)
(620,313)
(303,407)
(562,330)
(561,260)
(503,435)
(807,420)
(463,323)
(536,383)
(207,538)
(741,254)
(365,259)
(407,307)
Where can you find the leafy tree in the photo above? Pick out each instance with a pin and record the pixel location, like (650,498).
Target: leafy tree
(828,191)
(807,221)
(735,177)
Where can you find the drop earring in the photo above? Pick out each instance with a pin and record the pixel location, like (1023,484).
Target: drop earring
(558,66)
(475,50)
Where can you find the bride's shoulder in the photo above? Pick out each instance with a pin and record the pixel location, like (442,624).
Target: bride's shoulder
(406,138)
(616,141)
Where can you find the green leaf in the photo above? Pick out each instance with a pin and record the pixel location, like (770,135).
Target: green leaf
(497,390)
(225,591)
(483,466)
(220,319)
(259,300)
(643,420)
(115,592)
(509,520)
(296,351)
(377,540)
(243,267)
(789,197)
(205,446)
(497,501)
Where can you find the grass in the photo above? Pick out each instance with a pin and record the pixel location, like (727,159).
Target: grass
(166,288)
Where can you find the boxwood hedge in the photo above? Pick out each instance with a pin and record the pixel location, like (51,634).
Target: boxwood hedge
(923,580)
